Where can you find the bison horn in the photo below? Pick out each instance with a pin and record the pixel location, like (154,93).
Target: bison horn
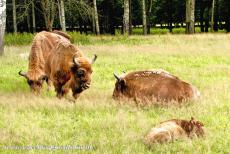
(75,61)
(94,59)
(116,76)
(23,74)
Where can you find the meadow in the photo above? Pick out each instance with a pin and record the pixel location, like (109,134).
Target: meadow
(108,126)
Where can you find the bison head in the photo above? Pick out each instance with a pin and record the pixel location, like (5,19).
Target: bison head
(35,84)
(81,73)
(120,87)
(194,128)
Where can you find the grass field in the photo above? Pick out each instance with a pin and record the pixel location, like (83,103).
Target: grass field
(111,127)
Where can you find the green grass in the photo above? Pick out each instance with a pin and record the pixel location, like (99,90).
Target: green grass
(112,127)
(83,39)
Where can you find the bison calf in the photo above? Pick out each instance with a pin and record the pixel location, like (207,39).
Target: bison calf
(175,129)
(155,86)
(69,69)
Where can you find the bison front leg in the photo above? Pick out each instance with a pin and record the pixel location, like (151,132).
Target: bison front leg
(76,92)
(59,90)
(49,83)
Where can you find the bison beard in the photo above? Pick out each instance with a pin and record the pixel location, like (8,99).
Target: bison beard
(69,69)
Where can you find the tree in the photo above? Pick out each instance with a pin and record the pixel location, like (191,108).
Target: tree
(148,16)
(212,16)
(190,16)
(14,16)
(96,17)
(126,17)
(48,11)
(61,10)
(33,17)
(144,18)
(2,24)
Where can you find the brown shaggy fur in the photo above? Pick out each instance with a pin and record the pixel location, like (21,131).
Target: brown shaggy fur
(155,86)
(175,129)
(42,45)
(64,73)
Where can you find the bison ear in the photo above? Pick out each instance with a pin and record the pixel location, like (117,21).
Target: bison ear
(192,120)
(122,82)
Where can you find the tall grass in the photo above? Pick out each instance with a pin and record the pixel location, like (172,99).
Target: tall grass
(119,127)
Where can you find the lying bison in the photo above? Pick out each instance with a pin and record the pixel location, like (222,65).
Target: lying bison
(153,86)
(175,129)
(69,69)
(42,45)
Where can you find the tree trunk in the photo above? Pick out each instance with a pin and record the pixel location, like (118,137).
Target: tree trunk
(28,17)
(62,9)
(144,18)
(2,24)
(212,16)
(96,17)
(148,17)
(126,18)
(33,17)
(190,16)
(14,16)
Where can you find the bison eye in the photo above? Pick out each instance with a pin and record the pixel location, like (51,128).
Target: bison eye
(80,73)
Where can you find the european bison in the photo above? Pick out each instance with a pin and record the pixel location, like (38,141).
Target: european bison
(153,85)
(175,129)
(42,45)
(68,68)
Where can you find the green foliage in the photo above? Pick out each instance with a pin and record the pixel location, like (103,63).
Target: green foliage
(18,39)
(83,39)
(109,126)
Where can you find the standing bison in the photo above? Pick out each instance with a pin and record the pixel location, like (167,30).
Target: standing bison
(175,129)
(69,69)
(155,86)
(42,45)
